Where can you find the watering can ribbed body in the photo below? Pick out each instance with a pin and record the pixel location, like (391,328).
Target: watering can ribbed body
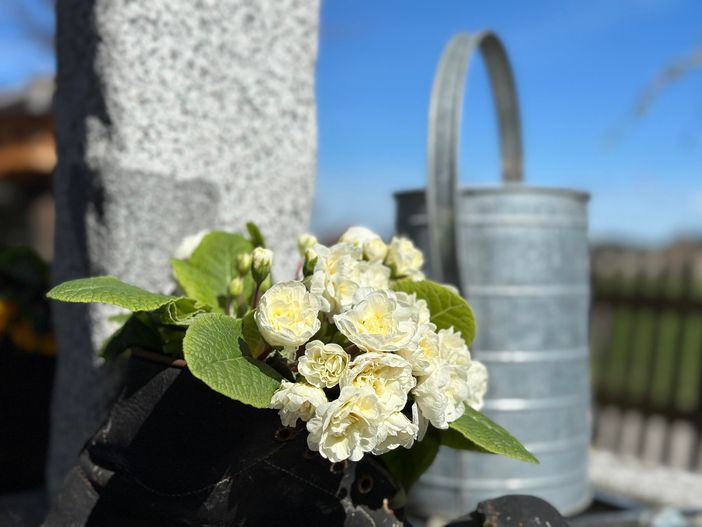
(519,254)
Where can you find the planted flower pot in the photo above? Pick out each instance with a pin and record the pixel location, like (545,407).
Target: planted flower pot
(367,363)
(174,452)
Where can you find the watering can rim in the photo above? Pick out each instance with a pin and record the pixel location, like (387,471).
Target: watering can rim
(507,188)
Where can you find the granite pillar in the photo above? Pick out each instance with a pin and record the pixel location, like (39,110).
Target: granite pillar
(173,116)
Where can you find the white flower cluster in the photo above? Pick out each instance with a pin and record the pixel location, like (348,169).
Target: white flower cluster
(396,375)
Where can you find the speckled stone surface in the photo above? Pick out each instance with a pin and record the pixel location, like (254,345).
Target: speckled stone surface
(172,116)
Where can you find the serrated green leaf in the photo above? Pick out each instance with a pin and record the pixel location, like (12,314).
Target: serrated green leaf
(487,434)
(257,238)
(446,307)
(408,464)
(211,349)
(109,290)
(206,275)
(133,333)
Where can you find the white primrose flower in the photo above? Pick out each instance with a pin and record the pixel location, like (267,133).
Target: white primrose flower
(336,276)
(441,396)
(396,431)
(347,427)
(322,364)
(425,357)
(375,250)
(187,247)
(477,384)
(372,245)
(453,381)
(419,304)
(405,259)
(297,400)
(357,235)
(286,315)
(421,422)
(373,275)
(380,323)
(389,375)
(453,348)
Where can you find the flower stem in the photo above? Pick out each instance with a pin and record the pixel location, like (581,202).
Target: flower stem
(254,299)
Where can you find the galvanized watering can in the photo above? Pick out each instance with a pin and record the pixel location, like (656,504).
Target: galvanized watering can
(520,256)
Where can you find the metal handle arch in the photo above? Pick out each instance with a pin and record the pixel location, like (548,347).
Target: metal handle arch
(445,114)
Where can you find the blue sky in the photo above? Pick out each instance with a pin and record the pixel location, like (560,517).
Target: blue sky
(580,67)
(26,28)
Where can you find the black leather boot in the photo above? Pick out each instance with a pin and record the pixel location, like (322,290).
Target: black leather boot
(175,453)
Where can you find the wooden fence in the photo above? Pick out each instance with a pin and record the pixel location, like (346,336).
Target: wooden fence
(647,353)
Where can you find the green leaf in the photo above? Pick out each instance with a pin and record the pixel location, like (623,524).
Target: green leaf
(196,283)
(133,333)
(211,349)
(453,439)
(251,335)
(206,275)
(181,312)
(446,307)
(120,318)
(490,436)
(257,238)
(109,290)
(408,464)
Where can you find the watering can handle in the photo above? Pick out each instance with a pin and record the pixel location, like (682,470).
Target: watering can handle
(445,111)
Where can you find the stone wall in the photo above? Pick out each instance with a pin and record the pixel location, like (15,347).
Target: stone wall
(172,116)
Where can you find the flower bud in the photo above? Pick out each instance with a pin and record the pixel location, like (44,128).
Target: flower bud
(236,286)
(310,262)
(306,241)
(261,263)
(243,263)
